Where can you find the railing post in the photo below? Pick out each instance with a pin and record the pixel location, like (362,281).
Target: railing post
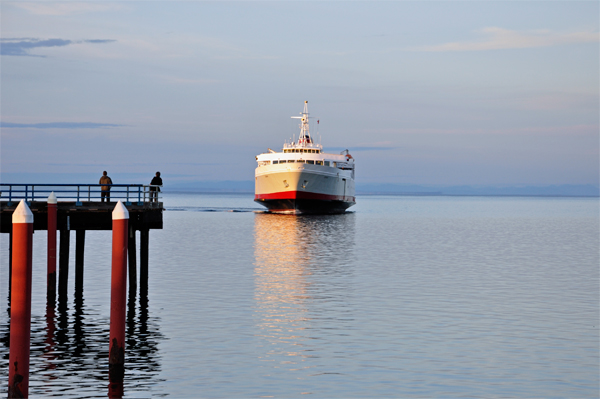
(32,193)
(10,195)
(78,202)
(26,188)
(89,193)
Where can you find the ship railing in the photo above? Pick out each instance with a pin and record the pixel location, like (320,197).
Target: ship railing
(138,194)
(315,146)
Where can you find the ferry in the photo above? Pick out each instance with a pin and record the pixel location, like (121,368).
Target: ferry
(302,178)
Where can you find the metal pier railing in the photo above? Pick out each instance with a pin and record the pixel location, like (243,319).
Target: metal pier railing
(127,193)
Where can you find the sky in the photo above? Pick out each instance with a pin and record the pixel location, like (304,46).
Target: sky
(431,93)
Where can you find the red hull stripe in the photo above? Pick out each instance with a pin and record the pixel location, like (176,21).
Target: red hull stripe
(302,195)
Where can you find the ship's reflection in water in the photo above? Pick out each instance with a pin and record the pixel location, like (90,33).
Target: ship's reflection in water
(69,349)
(303,283)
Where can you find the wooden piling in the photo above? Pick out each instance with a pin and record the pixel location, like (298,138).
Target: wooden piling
(20,322)
(63,262)
(51,278)
(118,298)
(79,256)
(10,251)
(144,244)
(131,252)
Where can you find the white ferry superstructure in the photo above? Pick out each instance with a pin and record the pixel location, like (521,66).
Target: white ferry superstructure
(303,179)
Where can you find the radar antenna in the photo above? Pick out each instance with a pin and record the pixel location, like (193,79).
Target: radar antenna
(304,138)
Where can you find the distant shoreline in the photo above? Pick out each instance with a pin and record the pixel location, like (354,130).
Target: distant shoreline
(176,184)
(564,190)
(426,194)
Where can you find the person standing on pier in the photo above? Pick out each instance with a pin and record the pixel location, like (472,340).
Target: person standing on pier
(105,190)
(156,181)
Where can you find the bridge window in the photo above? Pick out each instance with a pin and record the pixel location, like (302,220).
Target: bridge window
(326,163)
(319,162)
(310,162)
(275,162)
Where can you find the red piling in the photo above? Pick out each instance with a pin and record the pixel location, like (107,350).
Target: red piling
(51,281)
(118,298)
(20,311)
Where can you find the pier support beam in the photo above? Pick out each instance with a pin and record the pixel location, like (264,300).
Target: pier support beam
(144,241)
(20,311)
(131,252)
(79,256)
(63,262)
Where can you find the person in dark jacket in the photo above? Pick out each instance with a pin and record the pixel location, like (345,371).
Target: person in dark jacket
(105,190)
(156,181)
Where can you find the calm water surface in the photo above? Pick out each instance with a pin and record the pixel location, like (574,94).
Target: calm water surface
(403,297)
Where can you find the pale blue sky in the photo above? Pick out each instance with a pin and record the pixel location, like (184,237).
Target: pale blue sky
(484,93)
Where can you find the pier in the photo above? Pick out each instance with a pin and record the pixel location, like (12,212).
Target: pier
(79,208)
(122,209)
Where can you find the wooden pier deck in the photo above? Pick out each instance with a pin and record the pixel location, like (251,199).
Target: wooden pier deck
(93,215)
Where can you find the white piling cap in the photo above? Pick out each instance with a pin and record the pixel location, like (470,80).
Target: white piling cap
(22,213)
(52,198)
(120,212)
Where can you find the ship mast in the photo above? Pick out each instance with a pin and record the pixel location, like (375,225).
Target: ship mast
(304,138)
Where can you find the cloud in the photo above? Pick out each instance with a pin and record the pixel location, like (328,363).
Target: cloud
(373,148)
(500,39)
(359,148)
(99,41)
(177,80)
(59,125)
(66,8)
(22,46)
(566,130)
(557,101)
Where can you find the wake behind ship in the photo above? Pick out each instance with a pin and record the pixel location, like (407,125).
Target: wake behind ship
(303,179)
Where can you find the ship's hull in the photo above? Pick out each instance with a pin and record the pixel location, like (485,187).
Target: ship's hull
(304,189)
(304,203)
